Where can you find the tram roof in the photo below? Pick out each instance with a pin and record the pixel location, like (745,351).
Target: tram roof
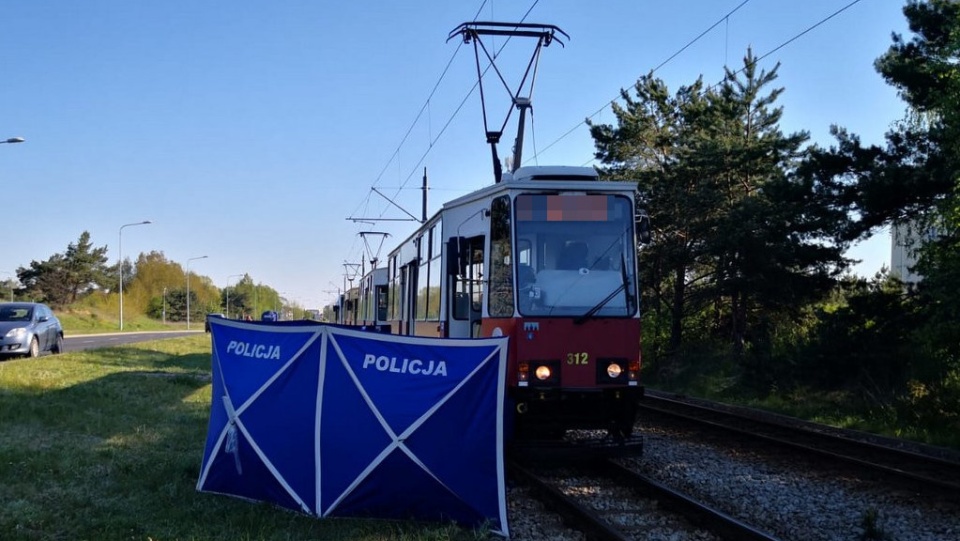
(552,172)
(546,178)
(553,178)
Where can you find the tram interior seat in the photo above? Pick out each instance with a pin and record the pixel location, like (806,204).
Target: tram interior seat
(526,275)
(573,256)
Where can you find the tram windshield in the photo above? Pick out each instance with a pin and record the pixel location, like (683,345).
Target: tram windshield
(575,255)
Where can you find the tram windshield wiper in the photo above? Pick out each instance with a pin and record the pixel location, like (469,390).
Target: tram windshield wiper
(593,311)
(603,302)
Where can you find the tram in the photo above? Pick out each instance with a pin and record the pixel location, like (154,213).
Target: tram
(372,300)
(546,255)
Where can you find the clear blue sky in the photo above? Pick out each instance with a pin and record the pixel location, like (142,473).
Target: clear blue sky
(251,131)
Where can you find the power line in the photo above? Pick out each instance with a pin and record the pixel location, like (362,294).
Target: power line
(798,36)
(416,167)
(662,64)
(696,39)
(365,203)
(756,61)
(424,107)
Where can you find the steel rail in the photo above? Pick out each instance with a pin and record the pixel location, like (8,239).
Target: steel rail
(596,528)
(928,471)
(696,512)
(576,515)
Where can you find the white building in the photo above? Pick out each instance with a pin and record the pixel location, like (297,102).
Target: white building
(906,240)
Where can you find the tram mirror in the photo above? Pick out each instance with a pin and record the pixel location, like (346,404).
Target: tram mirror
(643,229)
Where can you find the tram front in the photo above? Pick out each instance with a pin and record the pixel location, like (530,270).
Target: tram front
(565,264)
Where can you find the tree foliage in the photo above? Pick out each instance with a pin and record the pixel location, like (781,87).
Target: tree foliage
(152,285)
(926,72)
(863,338)
(913,178)
(159,288)
(744,236)
(63,278)
(248,299)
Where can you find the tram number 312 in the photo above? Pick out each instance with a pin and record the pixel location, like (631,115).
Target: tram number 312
(578,358)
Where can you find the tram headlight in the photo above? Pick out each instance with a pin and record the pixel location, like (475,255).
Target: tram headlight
(543,373)
(614,370)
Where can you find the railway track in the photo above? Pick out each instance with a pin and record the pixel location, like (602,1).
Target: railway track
(638,504)
(923,471)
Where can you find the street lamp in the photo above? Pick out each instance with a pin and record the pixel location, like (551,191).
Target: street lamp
(120,265)
(13,140)
(228,292)
(188,287)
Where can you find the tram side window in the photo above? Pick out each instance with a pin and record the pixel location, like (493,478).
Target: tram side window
(501,264)
(381,303)
(476,281)
(366,292)
(433,294)
(394,290)
(423,290)
(468,293)
(436,279)
(428,292)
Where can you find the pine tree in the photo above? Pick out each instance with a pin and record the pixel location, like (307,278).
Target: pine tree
(740,235)
(63,278)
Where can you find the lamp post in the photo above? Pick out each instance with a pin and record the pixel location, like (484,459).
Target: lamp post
(228,292)
(188,287)
(13,140)
(120,264)
(164,306)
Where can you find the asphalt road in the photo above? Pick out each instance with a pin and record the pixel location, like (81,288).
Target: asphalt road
(92,341)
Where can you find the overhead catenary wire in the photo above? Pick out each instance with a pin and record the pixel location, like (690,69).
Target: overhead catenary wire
(426,107)
(463,102)
(536,153)
(715,85)
(416,167)
(365,203)
(677,53)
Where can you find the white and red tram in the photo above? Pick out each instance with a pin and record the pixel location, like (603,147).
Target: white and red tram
(547,257)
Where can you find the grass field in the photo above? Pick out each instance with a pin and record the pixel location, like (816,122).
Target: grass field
(89,321)
(107,445)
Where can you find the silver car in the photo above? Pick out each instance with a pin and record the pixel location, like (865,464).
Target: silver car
(29,328)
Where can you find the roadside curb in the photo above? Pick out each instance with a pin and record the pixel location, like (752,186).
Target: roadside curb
(67,334)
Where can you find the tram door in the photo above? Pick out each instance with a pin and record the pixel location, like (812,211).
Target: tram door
(465,287)
(408,283)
